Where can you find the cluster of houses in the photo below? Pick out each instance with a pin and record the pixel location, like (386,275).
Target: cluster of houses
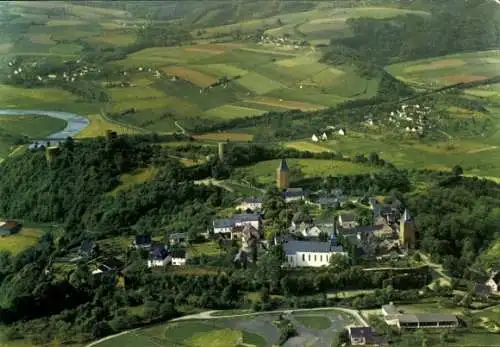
(282,41)
(413,118)
(324,136)
(161,254)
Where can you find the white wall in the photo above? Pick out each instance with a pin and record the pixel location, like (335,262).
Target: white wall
(155,263)
(306,259)
(178,261)
(222,230)
(255,224)
(249,206)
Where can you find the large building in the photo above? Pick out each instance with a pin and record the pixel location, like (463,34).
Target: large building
(310,253)
(407,230)
(282,175)
(393,316)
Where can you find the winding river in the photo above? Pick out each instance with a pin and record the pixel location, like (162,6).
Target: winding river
(74,122)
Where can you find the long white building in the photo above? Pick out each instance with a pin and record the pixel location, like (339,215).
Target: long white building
(310,253)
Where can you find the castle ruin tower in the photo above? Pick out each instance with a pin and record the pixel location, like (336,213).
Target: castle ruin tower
(407,230)
(222,150)
(51,153)
(282,175)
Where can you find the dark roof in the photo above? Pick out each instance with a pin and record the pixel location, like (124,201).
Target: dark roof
(9,225)
(327,201)
(293,192)
(252,200)
(110,264)
(178,253)
(143,239)
(293,246)
(348,217)
(364,332)
(246,217)
(86,246)
(427,318)
(158,251)
(223,223)
(283,165)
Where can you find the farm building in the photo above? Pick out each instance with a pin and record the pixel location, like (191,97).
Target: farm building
(348,221)
(9,227)
(158,255)
(293,194)
(314,138)
(360,336)
(252,204)
(178,257)
(142,241)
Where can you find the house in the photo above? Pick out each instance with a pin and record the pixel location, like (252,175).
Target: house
(293,194)
(87,249)
(325,203)
(309,253)
(178,257)
(341,131)
(252,204)
(314,138)
(142,241)
(178,238)
(108,266)
(254,219)
(348,221)
(362,336)
(324,137)
(393,316)
(9,227)
(223,226)
(250,237)
(158,255)
(493,282)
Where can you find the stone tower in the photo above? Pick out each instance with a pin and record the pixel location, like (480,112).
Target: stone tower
(51,153)
(222,150)
(407,230)
(282,173)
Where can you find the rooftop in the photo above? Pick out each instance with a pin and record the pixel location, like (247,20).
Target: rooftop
(252,200)
(178,253)
(223,223)
(348,217)
(293,246)
(364,332)
(143,239)
(283,165)
(246,217)
(427,318)
(158,251)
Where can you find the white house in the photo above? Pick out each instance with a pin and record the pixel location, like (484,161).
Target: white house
(348,221)
(309,253)
(223,226)
(178,257)
(253,219)
(293,194)
(314,138)
(494,282)
(341,132)
(159,256)
(324,137)
(311,232)
(253,204)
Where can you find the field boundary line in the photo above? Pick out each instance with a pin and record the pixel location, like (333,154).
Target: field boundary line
(130,126)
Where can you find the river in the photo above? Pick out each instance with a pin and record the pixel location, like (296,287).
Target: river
(74,122)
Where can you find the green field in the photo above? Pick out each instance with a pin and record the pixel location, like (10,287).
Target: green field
(265,171)
(449,69)
(24,239)
(316,322)
(36,127)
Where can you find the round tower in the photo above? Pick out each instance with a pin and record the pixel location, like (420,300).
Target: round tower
(282,175)
(222,150)
(51,153)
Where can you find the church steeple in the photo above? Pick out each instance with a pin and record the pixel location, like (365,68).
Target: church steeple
(282,175)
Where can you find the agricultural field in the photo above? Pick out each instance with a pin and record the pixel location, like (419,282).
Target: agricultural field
(35,127)
(449,69)
(265,172)
(98,126)
(24,239)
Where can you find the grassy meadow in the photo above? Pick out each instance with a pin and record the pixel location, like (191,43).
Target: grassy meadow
(24,239)
(265,172)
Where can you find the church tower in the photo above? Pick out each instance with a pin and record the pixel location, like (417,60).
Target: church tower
(407,230)
(282,175)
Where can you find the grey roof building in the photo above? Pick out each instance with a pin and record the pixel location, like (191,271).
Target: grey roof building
(291,247)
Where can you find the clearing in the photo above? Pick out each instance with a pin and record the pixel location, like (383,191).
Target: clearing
(24,239)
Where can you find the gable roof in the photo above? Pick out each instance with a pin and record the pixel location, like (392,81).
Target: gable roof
(223,223)
(178,253)
(158,251)
(293,192)
(362,332)
(283,165)
(293,246)
(86,246)
(246,217)
(348,217)
(143,239)
(252,200)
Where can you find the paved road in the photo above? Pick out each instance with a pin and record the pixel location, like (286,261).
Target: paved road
(207,315)
(74,122)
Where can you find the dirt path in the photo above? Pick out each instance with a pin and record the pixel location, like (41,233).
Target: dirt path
(484,149)
(176,123)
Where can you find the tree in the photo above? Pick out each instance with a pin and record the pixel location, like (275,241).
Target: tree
(339,262)
(457,171)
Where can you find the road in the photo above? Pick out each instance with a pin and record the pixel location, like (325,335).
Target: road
(176,123)
(74,122)
(437,268)
(207,315)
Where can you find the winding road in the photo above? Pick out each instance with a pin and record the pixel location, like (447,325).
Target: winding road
(74,122)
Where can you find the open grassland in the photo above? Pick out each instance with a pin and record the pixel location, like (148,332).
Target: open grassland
(17,243)
(265,171)
(99,125)
(224,136)
(445,70)
(206,248)
(128,181)
(308,146)
(35,127)
(232,111)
